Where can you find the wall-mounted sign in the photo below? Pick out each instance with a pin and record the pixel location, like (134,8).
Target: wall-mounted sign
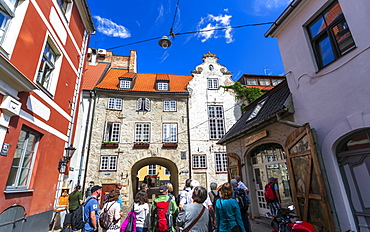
(253,138)
(183,155)
(185,171)
(5,149)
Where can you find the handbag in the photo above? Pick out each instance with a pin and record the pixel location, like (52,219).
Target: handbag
(129,225)
(195,221)
(236,228)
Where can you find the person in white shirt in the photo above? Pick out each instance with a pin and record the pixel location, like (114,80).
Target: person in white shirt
(241,184)
(114,213)
(141,209)
(185,195)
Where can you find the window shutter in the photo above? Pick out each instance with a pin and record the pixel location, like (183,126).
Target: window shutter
(106,133)
(139,104)
(147,104)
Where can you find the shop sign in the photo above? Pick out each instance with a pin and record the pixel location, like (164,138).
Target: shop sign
(253,138)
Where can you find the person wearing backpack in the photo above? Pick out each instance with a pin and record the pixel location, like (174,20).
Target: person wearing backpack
(109,218)
(75,199)
(91,208)
(272,196)
(141,209)
(163,212)
(241,196)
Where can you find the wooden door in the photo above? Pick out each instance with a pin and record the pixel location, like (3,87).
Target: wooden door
(308,188)
(233,165)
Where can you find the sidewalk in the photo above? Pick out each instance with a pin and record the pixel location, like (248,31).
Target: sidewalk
(260,225)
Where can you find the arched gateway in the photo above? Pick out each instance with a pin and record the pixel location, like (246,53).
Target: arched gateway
(170,165)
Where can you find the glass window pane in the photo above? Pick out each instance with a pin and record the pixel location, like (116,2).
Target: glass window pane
(343,37)
(23,177)
(333,13)
(326,51)
(317,27)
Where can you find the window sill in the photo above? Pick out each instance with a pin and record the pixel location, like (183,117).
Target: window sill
(169,145)
(8,191)
(109,145)
(141,146)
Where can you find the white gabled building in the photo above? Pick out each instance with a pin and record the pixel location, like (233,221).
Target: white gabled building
(212,112)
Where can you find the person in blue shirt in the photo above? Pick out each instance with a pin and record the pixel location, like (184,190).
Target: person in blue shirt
(227,211)
(91,210)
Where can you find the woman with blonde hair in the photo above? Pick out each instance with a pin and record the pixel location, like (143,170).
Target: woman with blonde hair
(113,208)
(170,190)
(228,217)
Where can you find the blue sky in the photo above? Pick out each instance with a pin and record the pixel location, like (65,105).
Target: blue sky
(242,50)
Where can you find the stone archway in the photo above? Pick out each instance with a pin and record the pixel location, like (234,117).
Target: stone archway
(170,165)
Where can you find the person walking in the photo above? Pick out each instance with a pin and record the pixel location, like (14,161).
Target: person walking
(228,217)
(272,196)
(185,194)
(141,209)
(113,209)
(160,206)
(75,199)
(241,184)
(243,200)
(91,208)
(170,190)
(194,217)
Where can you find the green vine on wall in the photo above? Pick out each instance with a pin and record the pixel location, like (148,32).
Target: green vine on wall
(248,94)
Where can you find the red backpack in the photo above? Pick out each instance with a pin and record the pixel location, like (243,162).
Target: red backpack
(163,216)
(270,192)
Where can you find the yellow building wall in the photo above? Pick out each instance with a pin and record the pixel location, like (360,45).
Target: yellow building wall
(160,172)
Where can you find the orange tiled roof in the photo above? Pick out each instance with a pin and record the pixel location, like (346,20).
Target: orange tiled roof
(261,87)
(144,82)
(92,75)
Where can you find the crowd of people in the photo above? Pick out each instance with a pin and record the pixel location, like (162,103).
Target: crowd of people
(224,208)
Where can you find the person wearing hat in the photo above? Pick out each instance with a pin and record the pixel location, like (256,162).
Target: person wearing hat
(75,199)
(274,204)
(91,210)
(172,208)
(240,194)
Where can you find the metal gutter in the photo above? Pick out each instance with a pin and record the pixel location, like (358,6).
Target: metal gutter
(282,17)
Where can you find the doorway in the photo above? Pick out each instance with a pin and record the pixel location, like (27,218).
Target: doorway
(171,174)
(269,160)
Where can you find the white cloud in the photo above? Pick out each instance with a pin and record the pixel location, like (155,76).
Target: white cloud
(261,6)
(109,28)
(212,23)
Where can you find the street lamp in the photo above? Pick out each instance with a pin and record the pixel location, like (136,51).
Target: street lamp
(66,158)
(164,42)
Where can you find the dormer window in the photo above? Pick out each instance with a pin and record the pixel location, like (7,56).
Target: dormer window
(124,84)
(252,82)
(143,104)
(162,86)
(256,109)
(212,83)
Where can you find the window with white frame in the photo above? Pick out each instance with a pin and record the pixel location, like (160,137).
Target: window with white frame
(170,132)
(162,86)
(265,82)
(199,161)
(64,5)
(152,169)
(142,132)
(108,163)
(276,82)
(167,172)
(143,104)
(112,130)
(47,66)
(216,122)
(212,83)
(21,169)
(330,35)
(257,109)
(125,84)
(221,162)
(252,82)
(114,103)
(169,105)
(7,9)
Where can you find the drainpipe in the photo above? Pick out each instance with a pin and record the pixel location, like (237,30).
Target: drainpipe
(289,123)
(93,96)
(189,146)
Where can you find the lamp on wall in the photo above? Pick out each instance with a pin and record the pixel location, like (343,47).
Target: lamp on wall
(66,158)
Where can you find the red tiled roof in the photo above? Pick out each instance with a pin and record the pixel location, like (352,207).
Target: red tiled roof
(261,87)
(144,82)
(92,75)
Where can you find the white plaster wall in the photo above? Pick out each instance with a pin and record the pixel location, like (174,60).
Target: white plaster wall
(327,98)
(200,98)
